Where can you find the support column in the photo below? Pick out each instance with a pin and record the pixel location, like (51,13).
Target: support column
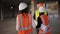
(32,7)
(32,11)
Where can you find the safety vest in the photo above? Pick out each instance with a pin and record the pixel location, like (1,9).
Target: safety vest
(25,24)
(44,26)
(44,19)
(37,13)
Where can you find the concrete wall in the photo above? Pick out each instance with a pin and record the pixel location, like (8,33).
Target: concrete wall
(7,12)
(6,7)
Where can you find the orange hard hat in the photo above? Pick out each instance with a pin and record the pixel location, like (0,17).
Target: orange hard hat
(39,4)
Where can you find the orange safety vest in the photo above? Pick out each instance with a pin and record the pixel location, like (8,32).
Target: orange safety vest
(25,24)
(44,19)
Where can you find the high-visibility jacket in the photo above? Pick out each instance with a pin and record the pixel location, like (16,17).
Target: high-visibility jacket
(45,26)
(37,14)
(24,25)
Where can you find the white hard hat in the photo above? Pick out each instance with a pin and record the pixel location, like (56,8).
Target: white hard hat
(22,6)
(42,9)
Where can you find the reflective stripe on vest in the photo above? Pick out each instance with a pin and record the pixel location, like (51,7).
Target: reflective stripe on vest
(43,21)
(23,28)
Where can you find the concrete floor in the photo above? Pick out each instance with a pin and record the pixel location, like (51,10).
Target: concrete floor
(55,26)
(8,26)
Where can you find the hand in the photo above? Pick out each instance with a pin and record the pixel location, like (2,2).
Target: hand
(40,32)
(35,22)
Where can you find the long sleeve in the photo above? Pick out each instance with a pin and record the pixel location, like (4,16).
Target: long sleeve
(34,16)
(39,22)
(34,23)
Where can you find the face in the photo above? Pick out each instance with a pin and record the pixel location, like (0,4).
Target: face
(41,9)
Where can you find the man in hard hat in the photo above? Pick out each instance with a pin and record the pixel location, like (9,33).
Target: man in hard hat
(24,25)
(43,20)
(37,13)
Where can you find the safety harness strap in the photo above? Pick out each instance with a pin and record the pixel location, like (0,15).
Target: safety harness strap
(30,20)
(25,28)
(21,23)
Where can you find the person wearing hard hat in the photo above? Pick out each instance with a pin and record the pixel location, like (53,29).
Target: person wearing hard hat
(24,25)
(44,27)
(37,14)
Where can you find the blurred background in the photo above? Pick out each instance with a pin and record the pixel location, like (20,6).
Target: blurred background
(9,10)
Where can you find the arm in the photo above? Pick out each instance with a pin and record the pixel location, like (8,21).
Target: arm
(34,17)
(34,22)
(39,22)
(17,27)
(48,30)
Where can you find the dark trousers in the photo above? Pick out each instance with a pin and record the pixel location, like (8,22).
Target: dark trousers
(37,30)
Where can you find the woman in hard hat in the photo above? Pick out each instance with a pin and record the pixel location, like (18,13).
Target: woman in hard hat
(43,20)
(24,19)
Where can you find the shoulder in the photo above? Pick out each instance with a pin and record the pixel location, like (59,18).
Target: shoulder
(18,15)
